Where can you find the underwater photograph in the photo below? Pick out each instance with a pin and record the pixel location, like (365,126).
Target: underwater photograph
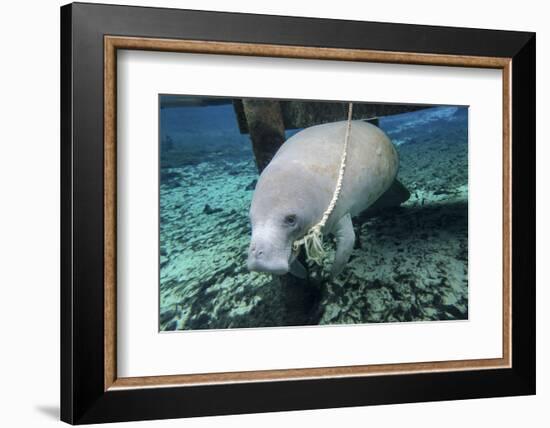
(277,212)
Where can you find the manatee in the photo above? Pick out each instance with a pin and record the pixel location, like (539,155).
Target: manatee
(296,187)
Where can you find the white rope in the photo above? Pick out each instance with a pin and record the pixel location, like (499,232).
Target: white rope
(313,239)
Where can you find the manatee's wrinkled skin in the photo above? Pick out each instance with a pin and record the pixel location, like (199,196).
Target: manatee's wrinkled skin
(295,189)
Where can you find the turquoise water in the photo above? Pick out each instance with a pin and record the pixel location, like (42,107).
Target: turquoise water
(409,263)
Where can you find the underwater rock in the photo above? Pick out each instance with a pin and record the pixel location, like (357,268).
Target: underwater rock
(209,210)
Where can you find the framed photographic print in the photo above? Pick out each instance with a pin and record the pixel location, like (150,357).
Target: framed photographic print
(265,213)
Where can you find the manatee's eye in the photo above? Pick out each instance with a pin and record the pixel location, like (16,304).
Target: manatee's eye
(290,220)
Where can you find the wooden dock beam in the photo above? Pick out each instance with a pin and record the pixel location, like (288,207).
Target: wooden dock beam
(266,127)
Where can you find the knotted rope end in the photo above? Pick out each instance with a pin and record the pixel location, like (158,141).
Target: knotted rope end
(313,244)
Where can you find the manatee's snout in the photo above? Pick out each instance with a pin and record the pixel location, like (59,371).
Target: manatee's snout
(263,256)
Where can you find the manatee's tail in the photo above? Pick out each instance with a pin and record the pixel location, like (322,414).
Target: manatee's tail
(393,197)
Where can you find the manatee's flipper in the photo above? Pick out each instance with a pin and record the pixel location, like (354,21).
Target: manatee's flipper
(393,197)
(297,269)
(345,238)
